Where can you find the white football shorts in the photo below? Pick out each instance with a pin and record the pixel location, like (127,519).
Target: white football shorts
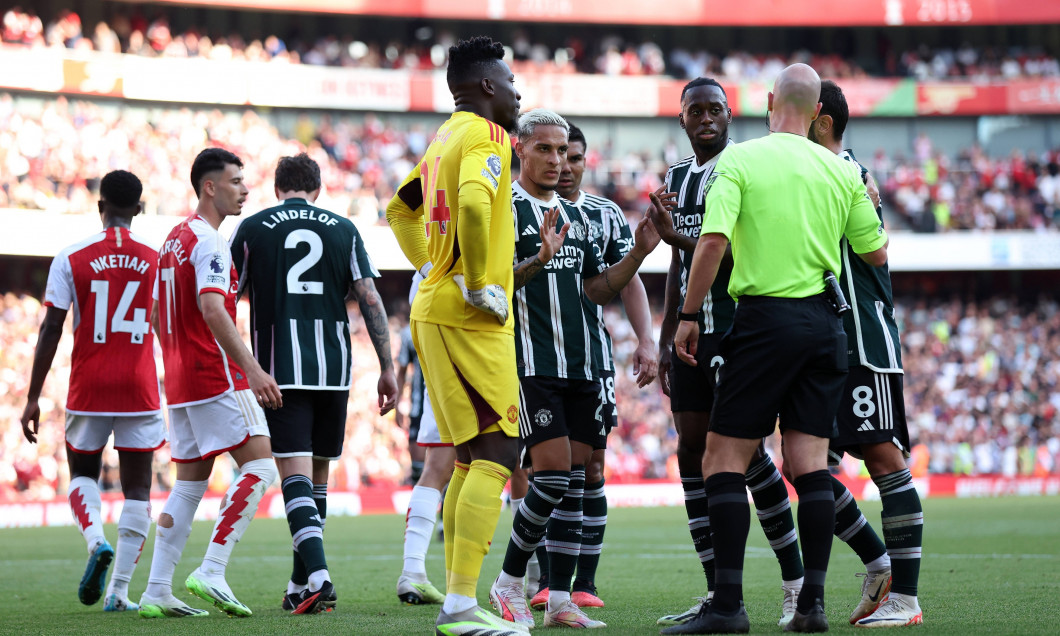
(88,434)
(202,431)
(428,435)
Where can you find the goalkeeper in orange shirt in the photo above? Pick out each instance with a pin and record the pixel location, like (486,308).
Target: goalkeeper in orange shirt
(452,218)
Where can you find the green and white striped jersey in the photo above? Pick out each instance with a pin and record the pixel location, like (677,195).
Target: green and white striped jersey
(870,325)
(296,262)
(552,328)
(688,180)
(611,233)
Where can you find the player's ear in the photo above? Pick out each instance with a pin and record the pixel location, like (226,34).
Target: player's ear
(487,86)
(99,205)
(313,195)
(681,120)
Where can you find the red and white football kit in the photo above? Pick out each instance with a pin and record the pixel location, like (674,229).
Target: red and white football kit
(108,279)
(211,407)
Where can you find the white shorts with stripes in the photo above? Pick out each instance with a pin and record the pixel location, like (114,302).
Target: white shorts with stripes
(201,431)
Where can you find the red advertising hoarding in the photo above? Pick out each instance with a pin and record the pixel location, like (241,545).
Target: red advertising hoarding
(838,13)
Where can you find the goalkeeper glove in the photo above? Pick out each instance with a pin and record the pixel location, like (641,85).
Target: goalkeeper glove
(490,299)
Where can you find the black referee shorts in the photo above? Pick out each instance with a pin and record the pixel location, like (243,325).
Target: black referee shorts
(782,356)
(692,388)
(310,424)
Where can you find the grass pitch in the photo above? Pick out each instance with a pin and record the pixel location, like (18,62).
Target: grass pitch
(990,566)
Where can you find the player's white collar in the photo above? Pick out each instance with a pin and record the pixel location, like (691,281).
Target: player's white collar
(553,202)
(709,163)
(581,199)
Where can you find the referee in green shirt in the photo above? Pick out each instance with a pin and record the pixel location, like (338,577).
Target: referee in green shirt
(784,203)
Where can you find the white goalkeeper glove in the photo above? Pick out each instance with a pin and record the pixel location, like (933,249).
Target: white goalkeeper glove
(490,299)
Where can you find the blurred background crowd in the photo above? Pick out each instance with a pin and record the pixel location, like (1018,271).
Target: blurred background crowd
(52,154)
(603,52)
(982,393)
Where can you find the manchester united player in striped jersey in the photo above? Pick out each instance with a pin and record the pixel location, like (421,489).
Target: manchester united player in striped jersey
(213,386)
(297,262)
(705,118)
(612,234)
(108,280)
(559,423)
(871,419)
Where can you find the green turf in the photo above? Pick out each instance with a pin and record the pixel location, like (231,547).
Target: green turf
(990,566)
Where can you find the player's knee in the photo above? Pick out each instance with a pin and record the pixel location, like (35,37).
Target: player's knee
(594,471)
(884,459)
(263,469)
(165,520)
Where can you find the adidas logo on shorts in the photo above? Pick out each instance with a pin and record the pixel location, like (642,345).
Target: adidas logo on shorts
(866,426)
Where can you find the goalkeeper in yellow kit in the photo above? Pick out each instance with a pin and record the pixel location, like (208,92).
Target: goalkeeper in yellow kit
(453,220)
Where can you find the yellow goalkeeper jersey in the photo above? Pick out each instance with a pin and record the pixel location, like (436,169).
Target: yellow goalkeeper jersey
(472,155)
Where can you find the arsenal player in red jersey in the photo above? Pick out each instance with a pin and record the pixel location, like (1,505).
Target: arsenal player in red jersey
(213,386)
(108,280)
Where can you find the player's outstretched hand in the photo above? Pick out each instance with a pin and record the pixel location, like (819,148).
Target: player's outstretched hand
(686,341)
(265,388)
(665,363)
(646,237)
(31,421)
(386,387)
(490,299)
(551,241)
(662,203)
(645,366)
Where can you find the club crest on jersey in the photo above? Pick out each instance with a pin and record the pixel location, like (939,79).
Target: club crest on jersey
(217,264)
(543,417)
(577,231)
(513,413)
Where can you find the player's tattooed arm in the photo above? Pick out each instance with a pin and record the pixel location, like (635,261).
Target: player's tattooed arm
(551,241)
(375,319)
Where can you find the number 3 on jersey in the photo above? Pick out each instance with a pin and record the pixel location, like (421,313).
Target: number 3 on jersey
(437,204)
(138,327)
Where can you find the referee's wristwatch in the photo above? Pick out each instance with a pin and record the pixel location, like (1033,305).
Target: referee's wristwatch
(696,317)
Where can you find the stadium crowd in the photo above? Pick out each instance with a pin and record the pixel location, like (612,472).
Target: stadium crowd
(608,54)
(52,156)
(931,191)
(982,397)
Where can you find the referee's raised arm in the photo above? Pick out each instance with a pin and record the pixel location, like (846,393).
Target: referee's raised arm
(784,203)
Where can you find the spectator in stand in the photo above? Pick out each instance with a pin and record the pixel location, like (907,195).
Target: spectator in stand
(609,54)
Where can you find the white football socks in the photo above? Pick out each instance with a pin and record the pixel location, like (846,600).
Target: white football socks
(240,503)
(133,526)
(180,506)
(419,526)
(85,504)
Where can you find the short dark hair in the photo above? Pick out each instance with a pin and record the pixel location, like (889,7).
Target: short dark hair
(121,189)
(834,104)
(297,174)
(469,58)
(210,160)
(576,134)
(703,81)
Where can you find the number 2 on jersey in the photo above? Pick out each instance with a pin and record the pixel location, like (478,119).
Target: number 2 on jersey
(138,327)
(439,208)
(316,249)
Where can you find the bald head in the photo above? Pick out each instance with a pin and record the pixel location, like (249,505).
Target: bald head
(797,87)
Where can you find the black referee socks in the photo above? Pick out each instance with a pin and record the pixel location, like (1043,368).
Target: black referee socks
(816,525)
